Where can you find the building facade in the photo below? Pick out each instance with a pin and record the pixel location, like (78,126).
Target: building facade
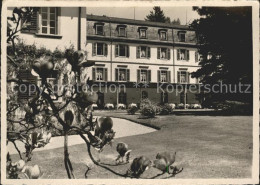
(134,59)
(144,60)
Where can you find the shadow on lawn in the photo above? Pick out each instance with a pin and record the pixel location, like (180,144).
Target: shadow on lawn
(209,113)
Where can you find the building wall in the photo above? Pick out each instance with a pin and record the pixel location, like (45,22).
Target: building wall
(68,30)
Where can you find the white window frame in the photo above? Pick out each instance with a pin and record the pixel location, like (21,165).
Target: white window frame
(165,58)
(186,77)
(163,71)
(184,59)
(125,71)
(119,32)
(145,76)
(146,52)
(161,32)
(102,74)
(140,31)
(48,21)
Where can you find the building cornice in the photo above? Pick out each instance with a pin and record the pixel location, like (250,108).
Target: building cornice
(139,63)
(139,41)
(136,22)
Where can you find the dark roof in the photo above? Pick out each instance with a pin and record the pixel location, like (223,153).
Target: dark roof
(135,22)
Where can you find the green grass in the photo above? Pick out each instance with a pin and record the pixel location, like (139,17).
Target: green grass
(207,147)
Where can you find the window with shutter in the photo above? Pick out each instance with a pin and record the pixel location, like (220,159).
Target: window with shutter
(100,74)
(183,54)
(31,26)
(163,53)
(122,76)
(122,50)
(163,76)
(48,20)
(143,53)
(183,77)
(100,49)
(25,92)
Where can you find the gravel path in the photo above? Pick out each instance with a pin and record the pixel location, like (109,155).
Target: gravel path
(122,128)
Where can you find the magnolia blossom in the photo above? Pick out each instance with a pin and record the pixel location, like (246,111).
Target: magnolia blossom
(32,172)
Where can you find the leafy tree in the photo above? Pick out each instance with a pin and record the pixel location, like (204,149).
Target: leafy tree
(157,15)
(225,45)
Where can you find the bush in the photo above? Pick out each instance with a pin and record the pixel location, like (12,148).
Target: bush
(148,108)
(235,107)
(166,109)
(132,110)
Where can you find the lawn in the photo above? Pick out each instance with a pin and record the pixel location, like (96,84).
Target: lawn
(207,147)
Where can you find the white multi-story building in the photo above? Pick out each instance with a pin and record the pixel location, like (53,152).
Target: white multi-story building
(138,55)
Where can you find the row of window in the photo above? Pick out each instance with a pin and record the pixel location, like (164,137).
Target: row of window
(143,75)
(121,50)
(48,24)
(122,32)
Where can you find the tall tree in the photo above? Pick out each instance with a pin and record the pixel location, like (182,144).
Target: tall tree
(157,15)
(176,22)
(225,45)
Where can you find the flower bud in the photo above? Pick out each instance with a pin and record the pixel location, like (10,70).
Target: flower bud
(20,164)
(68,116)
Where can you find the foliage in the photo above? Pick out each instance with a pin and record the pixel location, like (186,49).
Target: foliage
(41,114)
(166,109)
(224,37)
(235,107)
(132,110)
(148,108)
(157,15)
(176,22)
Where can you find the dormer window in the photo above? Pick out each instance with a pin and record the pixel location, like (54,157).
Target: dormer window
(163,34)
(142,32)
(121,30)
(181,36)
(99,28)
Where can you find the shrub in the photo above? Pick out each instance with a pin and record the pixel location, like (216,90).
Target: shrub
(132,110)
(235,107)
(166,109)
(148,108)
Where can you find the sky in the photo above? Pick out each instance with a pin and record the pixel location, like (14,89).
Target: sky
(139,13)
